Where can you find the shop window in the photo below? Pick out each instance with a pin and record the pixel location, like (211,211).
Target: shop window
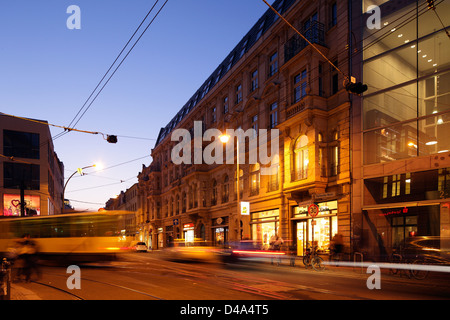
(264,226)
(301,158)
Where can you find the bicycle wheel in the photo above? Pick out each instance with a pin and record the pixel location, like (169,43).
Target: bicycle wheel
(418,273)
(395,258)
(307,261)
(317,263)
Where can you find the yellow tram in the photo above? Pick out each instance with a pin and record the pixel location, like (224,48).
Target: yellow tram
(81,237)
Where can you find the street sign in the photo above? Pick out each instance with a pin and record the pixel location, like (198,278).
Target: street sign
(245,208)
(313,210)
(175,222)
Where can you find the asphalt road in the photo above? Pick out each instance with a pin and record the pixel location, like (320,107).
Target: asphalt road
(148,276)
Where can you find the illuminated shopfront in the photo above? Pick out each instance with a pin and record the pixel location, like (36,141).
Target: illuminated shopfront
(264,226)
(188,230)
(11,205)
(220,231)
(319,230)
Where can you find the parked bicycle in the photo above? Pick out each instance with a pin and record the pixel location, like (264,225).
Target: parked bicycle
(312,259)
(414,269)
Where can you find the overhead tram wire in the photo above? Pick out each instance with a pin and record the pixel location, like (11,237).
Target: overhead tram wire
(126,45)
(402,23)
(304,38)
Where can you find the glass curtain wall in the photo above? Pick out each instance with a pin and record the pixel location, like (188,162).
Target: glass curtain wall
(407,69)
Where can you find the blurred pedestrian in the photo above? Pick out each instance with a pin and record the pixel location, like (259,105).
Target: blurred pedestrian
(276,244)
(27,258)
(337,246)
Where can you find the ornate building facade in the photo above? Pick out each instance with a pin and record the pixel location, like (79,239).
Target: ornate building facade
(272,80)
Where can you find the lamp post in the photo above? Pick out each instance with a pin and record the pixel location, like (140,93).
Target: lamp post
(224,138)
(80,171)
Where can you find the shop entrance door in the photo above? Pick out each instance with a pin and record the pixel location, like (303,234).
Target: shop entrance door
(301,237)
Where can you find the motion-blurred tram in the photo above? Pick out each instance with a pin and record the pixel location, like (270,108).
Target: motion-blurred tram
(81,237)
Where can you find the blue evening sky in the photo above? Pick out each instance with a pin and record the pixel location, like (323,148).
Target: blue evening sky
(47,72)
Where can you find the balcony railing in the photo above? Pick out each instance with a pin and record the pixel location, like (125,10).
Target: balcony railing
(315,34)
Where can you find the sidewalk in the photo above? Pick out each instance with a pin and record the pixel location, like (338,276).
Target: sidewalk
(18,292)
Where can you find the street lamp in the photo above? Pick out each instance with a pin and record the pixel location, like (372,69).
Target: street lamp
(224,138)
(80,171)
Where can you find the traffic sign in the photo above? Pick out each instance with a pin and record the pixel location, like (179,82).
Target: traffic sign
(313,210)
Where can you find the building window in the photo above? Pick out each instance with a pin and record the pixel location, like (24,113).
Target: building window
(273,64)
(238,93)
(183,202)
(301,158)
(254,125)
(333,20)
(214,193)
(16,175)
(225,105)
(273,177)
(334,79)
(225,190)
(241,184)
(273,115)
(254,81)
(299,86)
(21,144)
(334,156)
(254,179)
(213,115)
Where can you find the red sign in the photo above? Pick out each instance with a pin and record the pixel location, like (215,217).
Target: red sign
(313,210)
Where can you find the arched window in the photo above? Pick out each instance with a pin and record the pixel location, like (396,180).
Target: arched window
(214,193)
(301,158)
(225,189)
(254,179)
(183,202)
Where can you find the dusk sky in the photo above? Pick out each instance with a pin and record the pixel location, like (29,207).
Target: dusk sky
(48,71)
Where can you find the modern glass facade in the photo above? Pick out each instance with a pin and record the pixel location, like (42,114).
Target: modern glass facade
(406,110)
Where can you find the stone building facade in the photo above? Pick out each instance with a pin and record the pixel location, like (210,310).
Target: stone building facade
(272,80)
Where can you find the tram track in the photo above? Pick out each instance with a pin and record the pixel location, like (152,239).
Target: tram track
(79,297)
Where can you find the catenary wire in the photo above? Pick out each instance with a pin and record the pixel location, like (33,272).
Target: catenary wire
(115,70)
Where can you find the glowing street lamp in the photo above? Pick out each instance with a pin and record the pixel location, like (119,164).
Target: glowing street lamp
(224,138)
(80,171)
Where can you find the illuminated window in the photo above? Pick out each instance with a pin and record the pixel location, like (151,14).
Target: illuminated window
(301,158)
(254,179)
(334,156)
